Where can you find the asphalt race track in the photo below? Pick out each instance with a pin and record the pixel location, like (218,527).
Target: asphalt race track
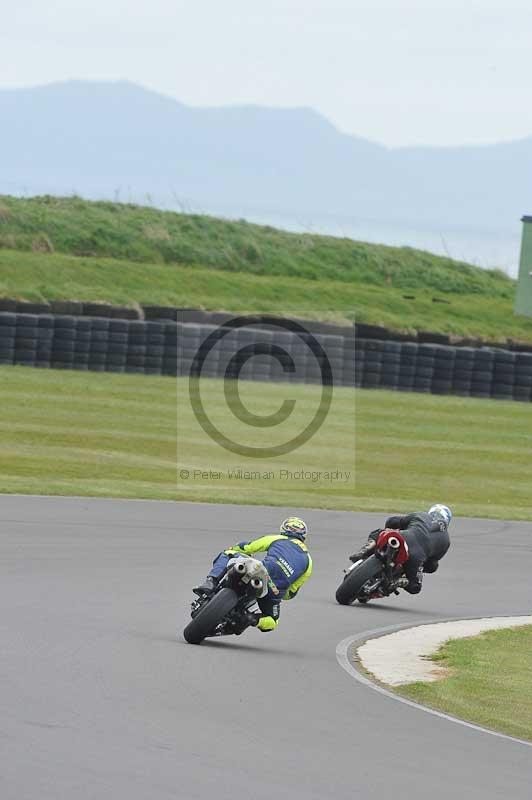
(101,698)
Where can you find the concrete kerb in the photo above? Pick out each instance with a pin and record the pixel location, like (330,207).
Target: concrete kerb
(352,665)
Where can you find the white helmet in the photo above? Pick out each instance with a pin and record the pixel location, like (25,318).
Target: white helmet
(442,511)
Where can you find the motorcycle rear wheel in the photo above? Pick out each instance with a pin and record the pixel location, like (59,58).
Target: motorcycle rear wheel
(354,581)
(210,615)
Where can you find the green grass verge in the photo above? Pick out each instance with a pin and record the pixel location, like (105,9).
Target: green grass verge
(78,433)
(68,248)
(490,681)
(126,435)
(31,276)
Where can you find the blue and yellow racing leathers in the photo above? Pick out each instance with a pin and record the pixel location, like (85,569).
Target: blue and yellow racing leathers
(288,563)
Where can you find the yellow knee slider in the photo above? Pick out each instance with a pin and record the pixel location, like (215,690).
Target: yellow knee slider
(267,624)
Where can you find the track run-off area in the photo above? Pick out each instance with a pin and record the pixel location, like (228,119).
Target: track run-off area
(101,697)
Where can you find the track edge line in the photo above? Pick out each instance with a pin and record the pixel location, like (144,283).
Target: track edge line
(356,640)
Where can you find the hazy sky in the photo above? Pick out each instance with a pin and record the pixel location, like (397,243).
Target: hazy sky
(423,71)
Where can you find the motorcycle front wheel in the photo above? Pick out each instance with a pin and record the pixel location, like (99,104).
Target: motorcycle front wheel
(354,581)
(210,615)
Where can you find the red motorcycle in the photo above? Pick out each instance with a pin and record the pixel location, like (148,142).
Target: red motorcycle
(377,576)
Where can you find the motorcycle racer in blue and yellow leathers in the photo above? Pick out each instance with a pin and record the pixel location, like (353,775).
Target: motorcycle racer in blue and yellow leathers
(288,563)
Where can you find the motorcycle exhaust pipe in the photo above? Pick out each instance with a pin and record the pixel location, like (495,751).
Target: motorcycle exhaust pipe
(240,567)
(256,583)
(394,543)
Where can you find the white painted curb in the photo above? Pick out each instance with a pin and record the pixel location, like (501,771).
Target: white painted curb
(345,656)
(403,657)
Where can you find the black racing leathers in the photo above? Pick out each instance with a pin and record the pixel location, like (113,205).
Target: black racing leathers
(427,538)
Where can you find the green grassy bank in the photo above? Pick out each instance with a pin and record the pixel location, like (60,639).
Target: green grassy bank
(36,277)
(68,248)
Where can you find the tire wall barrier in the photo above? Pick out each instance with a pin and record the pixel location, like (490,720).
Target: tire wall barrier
(169,348)
(199,317)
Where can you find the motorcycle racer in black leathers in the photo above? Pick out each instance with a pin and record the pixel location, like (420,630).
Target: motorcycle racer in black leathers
(427,536)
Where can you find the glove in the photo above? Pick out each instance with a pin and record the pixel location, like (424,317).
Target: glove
(267,624)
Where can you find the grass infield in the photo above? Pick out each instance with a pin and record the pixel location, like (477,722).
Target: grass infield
(79,433)
(490,681)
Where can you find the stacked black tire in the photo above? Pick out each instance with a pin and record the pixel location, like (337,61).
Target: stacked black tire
(441,369)
(522,388)
(169,348)
(85,343)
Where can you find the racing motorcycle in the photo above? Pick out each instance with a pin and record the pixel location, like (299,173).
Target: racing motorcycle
(233,606)
(377,576)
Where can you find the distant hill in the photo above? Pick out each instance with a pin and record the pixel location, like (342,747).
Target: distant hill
(118,139)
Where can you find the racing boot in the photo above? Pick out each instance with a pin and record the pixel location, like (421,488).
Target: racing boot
(365,552)
(208,586)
